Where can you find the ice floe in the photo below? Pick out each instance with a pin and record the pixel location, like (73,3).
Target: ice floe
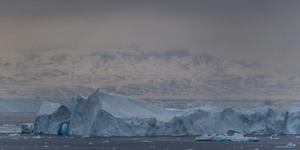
(236,137)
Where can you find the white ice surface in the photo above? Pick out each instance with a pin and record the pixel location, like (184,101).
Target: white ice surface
(48,108)
(126,107)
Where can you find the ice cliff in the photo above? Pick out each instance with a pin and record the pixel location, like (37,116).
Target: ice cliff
(106,114)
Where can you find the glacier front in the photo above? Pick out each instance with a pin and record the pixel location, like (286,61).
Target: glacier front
(107,114)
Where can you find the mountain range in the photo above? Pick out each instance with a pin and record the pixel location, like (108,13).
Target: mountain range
(174,74)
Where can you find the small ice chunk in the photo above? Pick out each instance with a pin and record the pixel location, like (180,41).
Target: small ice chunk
(66,146)
(46,146)
(26,138)
(291,145)
(37,137)
(85,136)
(106,141)
(14,134)
(90,143)
(146,141)
(152,146)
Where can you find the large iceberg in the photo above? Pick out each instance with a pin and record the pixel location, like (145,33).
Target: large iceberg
(107,114)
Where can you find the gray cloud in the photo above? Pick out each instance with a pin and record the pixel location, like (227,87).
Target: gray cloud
(251,33)
(249,65)
(4,64)
(7,80)
(255,31)
(32,57)
(59,58)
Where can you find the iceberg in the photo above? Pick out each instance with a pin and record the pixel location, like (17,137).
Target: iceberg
(293,121)
(48,108)
(27,127)
(106,114)
(71,104)
(52,123)
(236,137)
(290,145)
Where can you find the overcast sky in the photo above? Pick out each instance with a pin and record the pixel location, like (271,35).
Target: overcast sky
(257,31)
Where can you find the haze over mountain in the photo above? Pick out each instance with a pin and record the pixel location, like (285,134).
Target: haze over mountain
(174,74)
(156,49)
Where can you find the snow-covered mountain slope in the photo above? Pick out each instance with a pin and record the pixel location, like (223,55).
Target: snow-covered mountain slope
(92,119)
(31,104)
(173,74)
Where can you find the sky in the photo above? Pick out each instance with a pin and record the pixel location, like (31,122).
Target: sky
(38,36)
(249,30)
